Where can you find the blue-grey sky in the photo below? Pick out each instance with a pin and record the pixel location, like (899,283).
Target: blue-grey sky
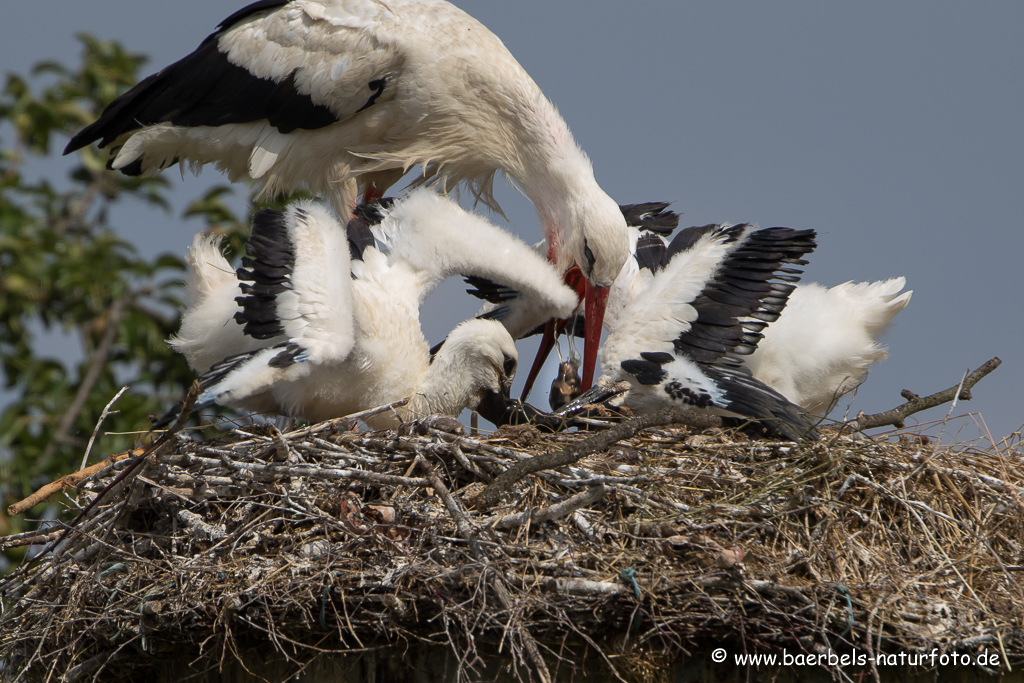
(894,129)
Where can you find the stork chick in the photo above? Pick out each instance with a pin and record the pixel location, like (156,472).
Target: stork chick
(308,330)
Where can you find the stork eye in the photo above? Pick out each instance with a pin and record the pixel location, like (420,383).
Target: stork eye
(589,255)
(509,367)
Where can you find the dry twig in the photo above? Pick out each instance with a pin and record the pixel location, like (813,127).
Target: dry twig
(68,481)
(916,404)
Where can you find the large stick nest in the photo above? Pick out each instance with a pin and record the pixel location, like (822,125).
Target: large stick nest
(268,546)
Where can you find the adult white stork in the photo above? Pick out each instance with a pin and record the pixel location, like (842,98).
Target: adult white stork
(320,94)
(322,322)
(682,326)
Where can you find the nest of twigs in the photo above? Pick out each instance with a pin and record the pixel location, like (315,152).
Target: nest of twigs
(266,553)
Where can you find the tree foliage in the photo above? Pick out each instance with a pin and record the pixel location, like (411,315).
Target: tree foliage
(64,270)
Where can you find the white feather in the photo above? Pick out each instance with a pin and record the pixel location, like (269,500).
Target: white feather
(265,152)
(657,310)
(388,358)
(320,318)
(823,344)
(208,332)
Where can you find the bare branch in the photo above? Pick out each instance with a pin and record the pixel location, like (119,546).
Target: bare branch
(915,404)
(595,444)
(68,481)
(552,512)
(95,431)
(585,587)
(199,527)
(34,537)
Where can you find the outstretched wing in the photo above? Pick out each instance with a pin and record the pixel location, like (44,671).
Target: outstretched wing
(749,290)
(653,317)
(296,296)
(680,340)
(437,238)
(715,295)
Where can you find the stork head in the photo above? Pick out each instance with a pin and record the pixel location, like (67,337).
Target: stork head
(600,246)
(482,355)
(588,230)
(596,239)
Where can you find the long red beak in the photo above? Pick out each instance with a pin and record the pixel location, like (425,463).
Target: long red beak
(597,300)
(574,278)
(547,342)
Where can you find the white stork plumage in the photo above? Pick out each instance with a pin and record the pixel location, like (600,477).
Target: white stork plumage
(322,322)
(823,344)
(686,312)
(824,341)
(320,94)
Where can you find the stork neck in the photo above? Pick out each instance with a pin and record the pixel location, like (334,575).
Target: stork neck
(559,190)
(445,390)
(552,168)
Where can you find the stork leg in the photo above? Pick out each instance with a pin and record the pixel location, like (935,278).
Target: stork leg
(376,183)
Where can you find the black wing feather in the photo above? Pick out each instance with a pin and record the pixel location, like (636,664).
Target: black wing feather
(745,292)
(752,398)
(268,266)
(205,89)
(489,290)
(651,216)
(651,252)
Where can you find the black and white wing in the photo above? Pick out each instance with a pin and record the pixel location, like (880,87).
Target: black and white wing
(296,299)
(679,341)
(259,95)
